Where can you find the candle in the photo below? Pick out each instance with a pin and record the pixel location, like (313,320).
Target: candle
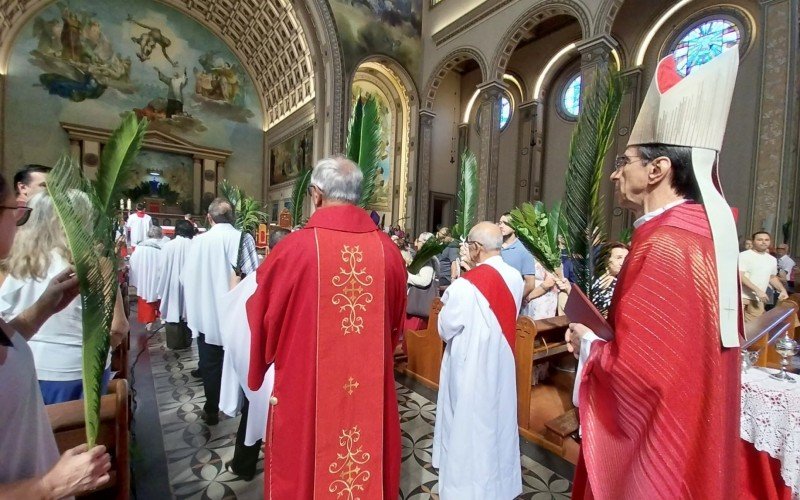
(122,204)
(129,203)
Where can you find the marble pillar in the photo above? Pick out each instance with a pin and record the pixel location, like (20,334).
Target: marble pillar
(423,171)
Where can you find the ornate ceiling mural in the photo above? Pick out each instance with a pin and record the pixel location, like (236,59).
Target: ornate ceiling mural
(368,27)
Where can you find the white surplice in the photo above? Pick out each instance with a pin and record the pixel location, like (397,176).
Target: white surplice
(206,277)
(138,227)
(236,364)
(173,300)
(146,264)
(475,443)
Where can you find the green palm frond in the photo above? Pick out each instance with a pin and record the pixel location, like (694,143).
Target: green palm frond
(625,235)
(582,212)
(248,215)
(354,131)
(122,148)
(299,195)
(427,251)
(364,144)
(467,200)
(88,214)
(230,192)
(538,231)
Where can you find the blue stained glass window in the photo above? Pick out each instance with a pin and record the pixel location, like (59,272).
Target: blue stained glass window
(704,42)
(505,112)
(571,100)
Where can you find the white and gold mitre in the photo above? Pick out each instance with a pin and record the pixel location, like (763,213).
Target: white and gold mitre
(690,111)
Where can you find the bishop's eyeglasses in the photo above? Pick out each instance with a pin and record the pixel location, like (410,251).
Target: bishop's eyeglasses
(21,214)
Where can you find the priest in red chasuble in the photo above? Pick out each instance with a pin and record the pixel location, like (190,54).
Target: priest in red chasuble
(327,313)
(659,403)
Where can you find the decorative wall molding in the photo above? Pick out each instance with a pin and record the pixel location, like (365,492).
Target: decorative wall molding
(527,21)
(448,63)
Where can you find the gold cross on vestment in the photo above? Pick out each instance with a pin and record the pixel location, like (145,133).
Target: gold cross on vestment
(350,385)
(352,290)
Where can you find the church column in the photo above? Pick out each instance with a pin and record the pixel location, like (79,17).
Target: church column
(220,175)
(489,155)
(197,185)
(772,202)
(595,55)
(423,171)
(209,183)
(529,168)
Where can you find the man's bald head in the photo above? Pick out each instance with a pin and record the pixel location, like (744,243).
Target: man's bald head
(485,240)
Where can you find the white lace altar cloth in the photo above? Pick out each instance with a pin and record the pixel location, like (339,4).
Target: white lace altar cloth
(771,421)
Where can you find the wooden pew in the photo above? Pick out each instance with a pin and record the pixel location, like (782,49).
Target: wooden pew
(67,421)
(764,332)
(425,350)
(545,413)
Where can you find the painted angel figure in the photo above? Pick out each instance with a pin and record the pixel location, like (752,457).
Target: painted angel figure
(147,42)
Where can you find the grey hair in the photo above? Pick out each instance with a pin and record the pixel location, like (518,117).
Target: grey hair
(221,211)
(155,232)
(422,238)
(489,240)
(338,178)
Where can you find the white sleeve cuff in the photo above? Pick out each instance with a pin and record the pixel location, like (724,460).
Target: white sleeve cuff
(586,348)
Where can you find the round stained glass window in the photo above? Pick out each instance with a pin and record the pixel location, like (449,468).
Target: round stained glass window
(571,99)
(704,42)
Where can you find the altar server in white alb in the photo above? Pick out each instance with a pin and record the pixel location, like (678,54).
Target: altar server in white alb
(206,279)
(475,443)
(146,266)
(138,225)
(170,289)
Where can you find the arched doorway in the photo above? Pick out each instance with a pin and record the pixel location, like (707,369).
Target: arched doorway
(398,103)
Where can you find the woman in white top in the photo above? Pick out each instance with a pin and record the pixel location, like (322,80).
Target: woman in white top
(40,252)
(29,463)
(426,277)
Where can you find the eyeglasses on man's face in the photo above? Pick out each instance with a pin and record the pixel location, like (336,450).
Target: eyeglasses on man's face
(623,160)
(21,213)
(308,190)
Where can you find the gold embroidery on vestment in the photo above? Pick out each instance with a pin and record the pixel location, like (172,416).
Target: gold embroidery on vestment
(350,386)
(347,466)
(353,297)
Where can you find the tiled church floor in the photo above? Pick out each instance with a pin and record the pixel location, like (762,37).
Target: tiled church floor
(195,453)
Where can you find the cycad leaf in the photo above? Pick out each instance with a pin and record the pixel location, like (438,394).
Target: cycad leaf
(538,231)
(299,195)
(122,148)
(90,235)
(467,200)
(354,131)
(427,251)
(582,212)
(369,149)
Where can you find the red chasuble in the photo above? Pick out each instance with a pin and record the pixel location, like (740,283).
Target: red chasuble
(327,313)
(491,285)
(659,405)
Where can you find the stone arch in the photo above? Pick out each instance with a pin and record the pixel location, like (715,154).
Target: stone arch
(446,65)
(525,22)
(388,73)
(605,16)
(248,28)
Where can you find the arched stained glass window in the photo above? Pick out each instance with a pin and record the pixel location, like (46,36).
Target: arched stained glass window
(703,42)
(571,97)
(505,112)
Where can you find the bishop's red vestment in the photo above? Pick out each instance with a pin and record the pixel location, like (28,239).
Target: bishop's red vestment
(659,404)
(328,312)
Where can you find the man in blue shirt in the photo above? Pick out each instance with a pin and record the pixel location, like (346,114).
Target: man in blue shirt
(517,256)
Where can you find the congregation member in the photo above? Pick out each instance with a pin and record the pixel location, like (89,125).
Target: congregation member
(659,402)
(206,278)
(30,466)
(146,264)
(172,307)
(603,286)
(327,314)
(758,270)
(786,266)
(138,225)
(447,257)
(29,181)
(517,256)
(476,441)
(423,287)
(236,398)
(41,252)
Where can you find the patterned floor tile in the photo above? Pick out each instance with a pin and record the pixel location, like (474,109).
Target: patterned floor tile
(196,453)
